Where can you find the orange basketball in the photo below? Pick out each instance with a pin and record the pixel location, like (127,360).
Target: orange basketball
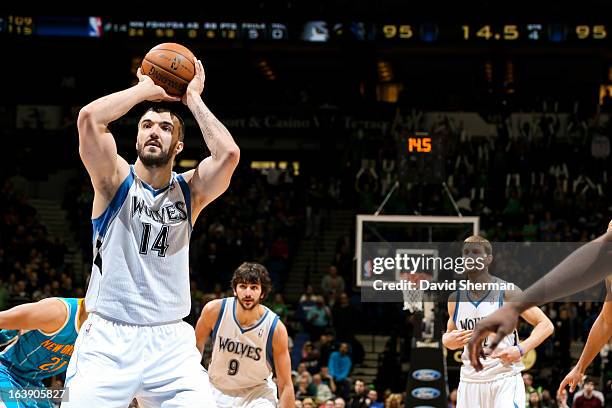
(171,66)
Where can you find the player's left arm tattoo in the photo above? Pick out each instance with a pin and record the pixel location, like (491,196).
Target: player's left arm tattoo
(212,176)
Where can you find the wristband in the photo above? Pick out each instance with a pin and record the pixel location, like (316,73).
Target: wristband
(521,350)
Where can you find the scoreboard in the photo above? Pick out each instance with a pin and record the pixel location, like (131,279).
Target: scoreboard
(314,31)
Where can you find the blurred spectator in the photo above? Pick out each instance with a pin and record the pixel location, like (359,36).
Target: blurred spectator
(327,379)
(325,346)
(562,400)
(305,387)
(319,317)
(310,357)
(588,397)
(280,308)
(358,398)
(340,365)
(339,403)
(308,403)
(332,284)
(546,400)
(373,398)
(323,391)
(394,401)
(534,400)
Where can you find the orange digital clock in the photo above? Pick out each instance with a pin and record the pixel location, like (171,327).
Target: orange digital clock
(420,142)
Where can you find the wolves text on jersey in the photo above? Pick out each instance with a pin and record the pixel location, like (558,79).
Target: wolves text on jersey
(171,212)
(236,347)
(469,323)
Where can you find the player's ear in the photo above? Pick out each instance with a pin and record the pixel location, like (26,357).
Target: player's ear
(179,148)
(489,259)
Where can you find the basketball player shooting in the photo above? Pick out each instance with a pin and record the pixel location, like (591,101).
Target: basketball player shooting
(134,343)
(39,340)
(582,269)
(499,384)
(249,343)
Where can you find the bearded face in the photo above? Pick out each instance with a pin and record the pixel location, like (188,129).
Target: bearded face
(157,139)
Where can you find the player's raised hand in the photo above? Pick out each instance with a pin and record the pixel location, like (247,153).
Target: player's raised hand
(457,338)
(508,355)
(502,322)
(573,379)
(154,93)
(196,85)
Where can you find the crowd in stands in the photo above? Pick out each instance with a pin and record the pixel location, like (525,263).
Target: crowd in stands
(535,181)
(31,259)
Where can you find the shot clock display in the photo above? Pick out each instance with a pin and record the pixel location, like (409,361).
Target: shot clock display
(534,32)
(419,142)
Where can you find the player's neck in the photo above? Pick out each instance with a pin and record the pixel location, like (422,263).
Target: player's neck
(481,277)
(247,318)
(156,177)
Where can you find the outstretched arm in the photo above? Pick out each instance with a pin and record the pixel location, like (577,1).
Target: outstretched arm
(600,334)
(212,176)
(97,146)
(282,364)
(48,315)
(206,323)
(582,269)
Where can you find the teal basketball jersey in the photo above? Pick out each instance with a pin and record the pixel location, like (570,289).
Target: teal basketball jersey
(36,355)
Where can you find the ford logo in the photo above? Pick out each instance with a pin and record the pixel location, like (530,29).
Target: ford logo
(426,375)
(425,393)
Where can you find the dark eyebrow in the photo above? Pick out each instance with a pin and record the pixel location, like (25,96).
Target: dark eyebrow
(163,122)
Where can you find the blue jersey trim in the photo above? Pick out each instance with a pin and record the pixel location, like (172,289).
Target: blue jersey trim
(476,304)
(186,194)
(501,298)
(457,302)
(154,191)
(101,224)
(261,319)
(218,322)
(269,354)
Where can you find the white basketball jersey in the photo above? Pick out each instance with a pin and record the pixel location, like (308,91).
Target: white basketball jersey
(242,357)
(467,313)
(140,273)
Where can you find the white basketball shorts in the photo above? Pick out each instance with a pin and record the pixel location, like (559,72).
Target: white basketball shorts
(263,396)
(115,362)
(506,392)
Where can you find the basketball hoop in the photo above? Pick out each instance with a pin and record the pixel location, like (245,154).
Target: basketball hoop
(413,299)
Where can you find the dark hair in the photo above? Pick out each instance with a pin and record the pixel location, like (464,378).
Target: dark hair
(162,109)
(251,272)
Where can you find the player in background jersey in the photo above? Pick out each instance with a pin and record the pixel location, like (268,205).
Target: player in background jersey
(499,384)
(39,340)
(249,344)
(135,343)
(583,268)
